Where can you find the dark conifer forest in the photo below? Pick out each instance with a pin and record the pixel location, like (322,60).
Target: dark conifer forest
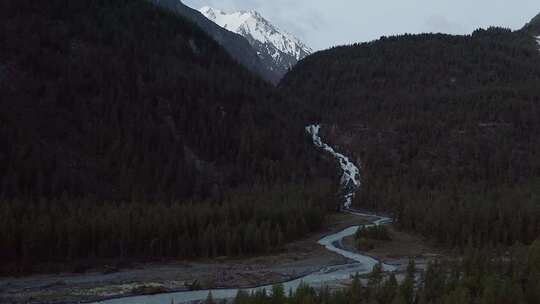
(446,128)
(125,131)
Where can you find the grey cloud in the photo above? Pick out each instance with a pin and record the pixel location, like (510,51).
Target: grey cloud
(440,24)
(323,23)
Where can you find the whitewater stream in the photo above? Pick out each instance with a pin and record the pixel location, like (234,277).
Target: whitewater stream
(360,264)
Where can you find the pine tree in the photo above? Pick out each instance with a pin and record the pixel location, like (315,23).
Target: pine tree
(278,294)
(406,289)
(374,283)
(389,289)
(242,297)
(375,278)
(209,299)
(356,294)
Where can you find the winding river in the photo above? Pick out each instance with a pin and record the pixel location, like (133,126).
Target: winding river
(360,264)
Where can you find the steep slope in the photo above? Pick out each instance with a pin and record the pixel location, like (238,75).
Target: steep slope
(235,44)
(444,126)
(533,26)
(83,90)
(278,50)
(126,131)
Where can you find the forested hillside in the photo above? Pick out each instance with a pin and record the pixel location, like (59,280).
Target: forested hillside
(117,118)
(446,128)
(533,26)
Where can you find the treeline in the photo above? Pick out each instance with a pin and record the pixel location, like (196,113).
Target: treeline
(365,238)
(475,279)
(445,127)
(243,223)
(379,233)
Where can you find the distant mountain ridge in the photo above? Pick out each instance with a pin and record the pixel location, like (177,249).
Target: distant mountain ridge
(236,45)
(278,50)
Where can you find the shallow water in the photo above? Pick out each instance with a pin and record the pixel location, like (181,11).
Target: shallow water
(334,274)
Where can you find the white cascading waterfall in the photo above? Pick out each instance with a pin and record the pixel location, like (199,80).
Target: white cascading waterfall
(350,179)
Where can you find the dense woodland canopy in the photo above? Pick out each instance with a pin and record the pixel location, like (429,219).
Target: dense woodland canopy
(446,128)
(125,131)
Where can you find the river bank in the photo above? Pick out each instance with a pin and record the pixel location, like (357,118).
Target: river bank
(296,259)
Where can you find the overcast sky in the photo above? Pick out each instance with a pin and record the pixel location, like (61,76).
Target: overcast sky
(325,23)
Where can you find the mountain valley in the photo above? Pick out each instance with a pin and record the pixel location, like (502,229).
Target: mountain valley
(155,153)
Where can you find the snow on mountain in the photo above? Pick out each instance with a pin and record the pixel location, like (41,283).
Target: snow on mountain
(278,49)
(237,46)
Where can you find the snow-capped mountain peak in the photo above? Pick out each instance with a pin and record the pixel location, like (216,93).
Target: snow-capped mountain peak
(271,43)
